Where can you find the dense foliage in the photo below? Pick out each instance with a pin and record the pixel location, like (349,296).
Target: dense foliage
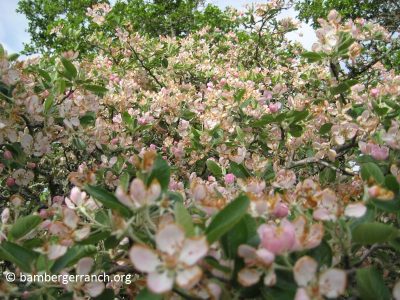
(221,164)
(62,25)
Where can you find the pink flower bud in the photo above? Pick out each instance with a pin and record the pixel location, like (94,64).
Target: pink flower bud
(211,178)
(153,147)
(374,93)
(43,213)
(31,165)
(114,141)
(229,178)
(10,181)
(7,155)
(281,210)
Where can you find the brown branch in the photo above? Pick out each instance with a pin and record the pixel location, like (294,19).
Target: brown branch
(314,160)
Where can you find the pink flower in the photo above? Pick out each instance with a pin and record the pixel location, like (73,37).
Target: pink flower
(376,151)
(175,259)
(281,210)
(277,239)
(10,182)
(374,93)
(274,107)
(229,178)
(8,155)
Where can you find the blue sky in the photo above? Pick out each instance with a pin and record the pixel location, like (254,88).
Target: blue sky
(13,26)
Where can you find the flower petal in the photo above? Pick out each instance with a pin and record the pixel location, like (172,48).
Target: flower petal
(396,291)
(355,210)
(94,288)
(144,259)
(160,282)
(248,277)
(188,277)
(84,266)
(56,251)
(170,239)
(301,294)
(304,270)
(332,283)
(193,250)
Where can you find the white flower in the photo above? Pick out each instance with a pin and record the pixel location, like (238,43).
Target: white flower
(139,195)
(174,261)
(23,177)
(330,283)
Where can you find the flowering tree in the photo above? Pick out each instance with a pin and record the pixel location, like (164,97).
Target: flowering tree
(219,165)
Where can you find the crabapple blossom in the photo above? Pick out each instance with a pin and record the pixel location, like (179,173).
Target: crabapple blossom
(174,260)
(277,239)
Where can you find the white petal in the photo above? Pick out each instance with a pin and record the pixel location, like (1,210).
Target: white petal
(301,294)
(188,277)
(355,210)
(82,233)
(332,283)
(265,257)
(270,278)
(193,250)
(247,252)
(95,288)
(137,191)
(170,239)
(123,197)
(160,282)
(84,266)
(70,218)
(248,277)
(396,291)
(153,192)
(144,259)
(56,251)
(304,270)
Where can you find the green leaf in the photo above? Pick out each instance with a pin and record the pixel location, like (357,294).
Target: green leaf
(371,233)
(72,256)
(371,170)
(13,57)
(107,199)
(214,168)
(97,89)
(345,41)
(326,128)
(145,294)
(343,87)
(69,68)
(88,119)
(238,170)
(370,285)
(183,218)
(296,130)
(45,75)
(244,232)
(392,184)
(14,253)
(327,175)
(227,218)
(23,226)
(239,94)
(161,172)
(264,120)
(48,104)
(312,56)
